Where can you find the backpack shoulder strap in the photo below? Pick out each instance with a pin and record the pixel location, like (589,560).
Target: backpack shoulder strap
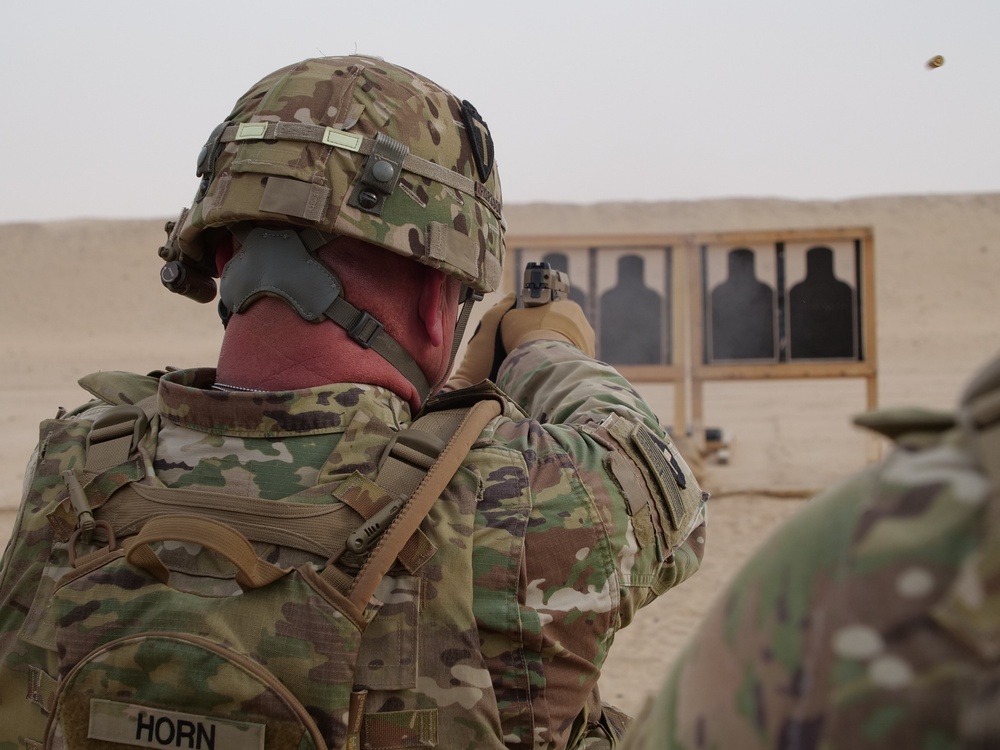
(464,426)
(412,452)
(115,435)
(118,420)
(125,402)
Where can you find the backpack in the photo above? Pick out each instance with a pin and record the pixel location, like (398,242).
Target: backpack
(152,620)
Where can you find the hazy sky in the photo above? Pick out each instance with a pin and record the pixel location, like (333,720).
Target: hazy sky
(107,102)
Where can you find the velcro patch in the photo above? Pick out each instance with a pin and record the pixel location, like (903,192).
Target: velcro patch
(637,496)
(142,726)
(304,200)
(480,139)
(666,472)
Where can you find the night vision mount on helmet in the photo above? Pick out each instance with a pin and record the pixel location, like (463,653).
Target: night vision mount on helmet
(341,146)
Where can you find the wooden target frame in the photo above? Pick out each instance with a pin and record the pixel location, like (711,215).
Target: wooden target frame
(820,324)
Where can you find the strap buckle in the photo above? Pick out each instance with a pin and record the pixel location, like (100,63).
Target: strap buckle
(365,329)
(118,422)
(380,175)
(414,447)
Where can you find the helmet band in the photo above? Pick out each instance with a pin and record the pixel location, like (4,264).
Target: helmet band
(294,131)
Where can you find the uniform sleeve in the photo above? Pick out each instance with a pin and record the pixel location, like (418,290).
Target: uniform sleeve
(554,382)
(648,499)
(616,518)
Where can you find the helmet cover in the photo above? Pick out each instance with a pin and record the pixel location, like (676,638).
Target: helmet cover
(359,147)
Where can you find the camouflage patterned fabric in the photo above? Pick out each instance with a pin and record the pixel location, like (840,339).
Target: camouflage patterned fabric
(548,539)
(870,620)
(445,211)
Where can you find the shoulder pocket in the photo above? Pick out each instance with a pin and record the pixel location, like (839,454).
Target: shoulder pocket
(676,497)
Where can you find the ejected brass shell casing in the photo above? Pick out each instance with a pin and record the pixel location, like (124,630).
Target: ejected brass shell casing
(935,62)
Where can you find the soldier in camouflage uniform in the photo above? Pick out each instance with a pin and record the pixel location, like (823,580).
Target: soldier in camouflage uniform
(872,618)
(352,208)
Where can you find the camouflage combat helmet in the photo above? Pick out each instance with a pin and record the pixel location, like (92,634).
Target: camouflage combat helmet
(339,146)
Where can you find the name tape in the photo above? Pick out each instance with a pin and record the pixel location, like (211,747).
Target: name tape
(141,726)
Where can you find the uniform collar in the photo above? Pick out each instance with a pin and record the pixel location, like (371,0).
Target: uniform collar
(186,398)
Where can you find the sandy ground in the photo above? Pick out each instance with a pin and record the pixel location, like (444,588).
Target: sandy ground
(76,297)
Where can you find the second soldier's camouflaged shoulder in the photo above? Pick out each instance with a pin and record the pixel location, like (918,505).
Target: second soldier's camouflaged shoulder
(869,620)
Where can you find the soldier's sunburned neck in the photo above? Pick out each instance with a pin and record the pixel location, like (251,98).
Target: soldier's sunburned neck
(271,348)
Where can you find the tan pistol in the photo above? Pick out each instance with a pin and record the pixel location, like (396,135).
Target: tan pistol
(543,284)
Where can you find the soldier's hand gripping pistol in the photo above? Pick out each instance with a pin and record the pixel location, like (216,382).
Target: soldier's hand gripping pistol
(542,310)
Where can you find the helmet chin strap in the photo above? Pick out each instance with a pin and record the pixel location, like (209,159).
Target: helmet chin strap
(282,263)
(467,298)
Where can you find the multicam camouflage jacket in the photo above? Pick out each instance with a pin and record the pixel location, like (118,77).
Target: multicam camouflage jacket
(554,531)
(871,619)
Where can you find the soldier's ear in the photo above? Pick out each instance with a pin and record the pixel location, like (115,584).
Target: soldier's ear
(431,306)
